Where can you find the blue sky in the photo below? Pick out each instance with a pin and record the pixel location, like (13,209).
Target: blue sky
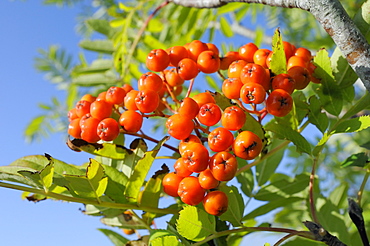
(25,27)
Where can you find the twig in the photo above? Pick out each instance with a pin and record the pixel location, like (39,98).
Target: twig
(355,213)
(323,235)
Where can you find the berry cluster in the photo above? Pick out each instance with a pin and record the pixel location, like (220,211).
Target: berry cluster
(211,139)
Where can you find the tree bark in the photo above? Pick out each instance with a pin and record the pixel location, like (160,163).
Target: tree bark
(333,18)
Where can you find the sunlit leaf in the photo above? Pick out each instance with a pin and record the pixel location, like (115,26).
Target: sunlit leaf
(287,133)
(225,27)
(141,169)
(102,46)
(329,93)
(116,238)
(316,117)
(359,160)
(235,210)
(353,125)
(278,60)
(195,224)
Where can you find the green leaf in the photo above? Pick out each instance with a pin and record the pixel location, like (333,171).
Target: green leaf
(329,93)
(267,167)
(113,151)
(34,126)
(153,188)
(225,27)
(155,26)
(284,132)
(101,26)
(278,59)
(116,238)
(353,125)
(315,116)
(361,104)
(195,224)
(231,7)
(166,240)
(141,169)
(246,180)
(362,19)
(116,184)
(358,160)
(284,188)
(90,185)
(124,221)
(97,66)
(270,206)
(102,46)
(331,219)
(234,212)
(95,79)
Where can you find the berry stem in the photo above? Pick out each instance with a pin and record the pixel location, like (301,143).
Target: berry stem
(138,36)
(190,88)
(143,135)
(57,196)
(171,93)
(305,234)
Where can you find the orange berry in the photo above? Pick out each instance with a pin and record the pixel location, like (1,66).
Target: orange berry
(247,145)
(157,60)
(179,127)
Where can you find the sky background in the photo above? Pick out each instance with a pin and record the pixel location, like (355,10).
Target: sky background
(25,27)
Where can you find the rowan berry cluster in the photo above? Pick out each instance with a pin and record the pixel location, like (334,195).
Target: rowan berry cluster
(211,139)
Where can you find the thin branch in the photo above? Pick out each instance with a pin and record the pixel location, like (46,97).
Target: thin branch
(62,197)
(332,17)
(323,235)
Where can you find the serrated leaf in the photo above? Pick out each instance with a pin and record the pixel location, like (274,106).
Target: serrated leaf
(153,188)
(166,240)
(278,59)
(270,206)
(231,7)
(97,66)
(315,116)
(353,125)
(267,167)
(195,224)
(234,212)
(329,93)
(246,180)
(34,126)
(283,188)
(91,185)
(360,105)
(225,27)
(358,160)
(100,25)
(116,238)
(94,79)
(116,184)
(141,169)
(155,26)
(102,46)
(124,221)
(109,150)
(287,133)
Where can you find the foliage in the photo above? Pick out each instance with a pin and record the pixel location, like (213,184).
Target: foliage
(122,185)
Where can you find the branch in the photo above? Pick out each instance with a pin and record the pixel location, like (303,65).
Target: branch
(355,213)
(323,235)
(332,17)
